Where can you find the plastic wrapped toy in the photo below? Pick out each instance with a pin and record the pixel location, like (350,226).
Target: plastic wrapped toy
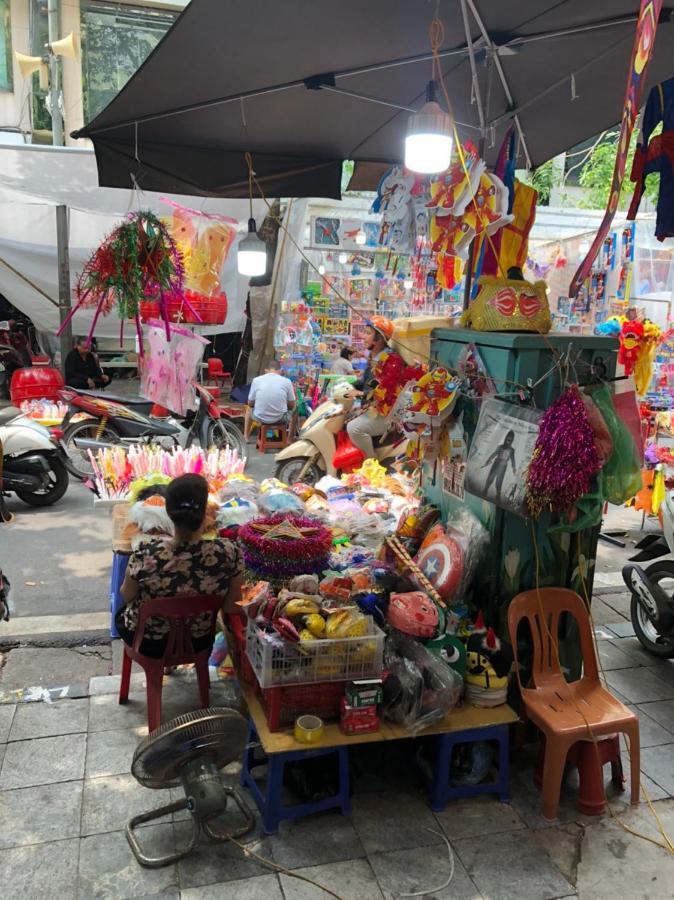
(205,240)
(421,689)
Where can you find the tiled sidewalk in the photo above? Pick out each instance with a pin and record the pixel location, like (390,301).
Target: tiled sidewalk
(66,794)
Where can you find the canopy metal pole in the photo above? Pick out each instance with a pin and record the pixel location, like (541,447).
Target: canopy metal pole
(62,251)
(483,137)
(63,259)
(473,69)
(370,99)
(501,74)
(560,81)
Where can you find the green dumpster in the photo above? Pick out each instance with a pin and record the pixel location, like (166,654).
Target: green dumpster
(522,551)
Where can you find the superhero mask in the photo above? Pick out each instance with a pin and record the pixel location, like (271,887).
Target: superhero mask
(413,613)
(508,304)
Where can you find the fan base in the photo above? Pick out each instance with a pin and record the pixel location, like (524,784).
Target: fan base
(156,862)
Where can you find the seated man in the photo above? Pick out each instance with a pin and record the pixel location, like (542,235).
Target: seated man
(271,399)
(82,368)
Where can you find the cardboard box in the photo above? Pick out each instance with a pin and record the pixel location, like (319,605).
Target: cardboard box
(366,692)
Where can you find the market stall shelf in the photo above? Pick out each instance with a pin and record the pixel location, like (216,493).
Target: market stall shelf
(464,724)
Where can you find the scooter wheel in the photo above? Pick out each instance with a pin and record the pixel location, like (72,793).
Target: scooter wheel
(662,570)
(58,485)
(78,462)
(289,471)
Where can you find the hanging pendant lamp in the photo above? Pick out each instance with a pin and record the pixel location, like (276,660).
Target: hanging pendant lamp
(428,145)
(251,255)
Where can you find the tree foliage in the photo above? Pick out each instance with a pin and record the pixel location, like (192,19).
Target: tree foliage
(597,172)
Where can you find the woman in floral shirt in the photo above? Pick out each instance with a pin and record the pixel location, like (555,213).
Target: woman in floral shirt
(185,564)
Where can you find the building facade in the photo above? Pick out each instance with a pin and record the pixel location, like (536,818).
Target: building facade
(113,38)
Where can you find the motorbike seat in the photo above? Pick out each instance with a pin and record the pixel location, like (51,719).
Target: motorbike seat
(116,398)
(9,413)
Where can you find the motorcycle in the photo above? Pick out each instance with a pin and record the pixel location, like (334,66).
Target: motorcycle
(95,420)
(33,461)
(652,589)
(324,447)
(10,361)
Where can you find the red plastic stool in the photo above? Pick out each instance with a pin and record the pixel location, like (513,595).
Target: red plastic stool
(590,762)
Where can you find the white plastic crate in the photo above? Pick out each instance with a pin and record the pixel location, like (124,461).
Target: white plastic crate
(277,662)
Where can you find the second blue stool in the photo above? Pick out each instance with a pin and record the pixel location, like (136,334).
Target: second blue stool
(270,800)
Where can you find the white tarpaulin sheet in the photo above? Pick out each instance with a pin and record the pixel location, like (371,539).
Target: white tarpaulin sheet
(33,180)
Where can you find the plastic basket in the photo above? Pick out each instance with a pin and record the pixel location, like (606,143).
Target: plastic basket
(279,662)
(236,624)
(282,705)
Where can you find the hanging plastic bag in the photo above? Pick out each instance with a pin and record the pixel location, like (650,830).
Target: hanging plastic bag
(421,688)
(626,405)
(170,366)
(621,476)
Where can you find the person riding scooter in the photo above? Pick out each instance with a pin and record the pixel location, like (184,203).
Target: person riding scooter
(323,446)
(385,377)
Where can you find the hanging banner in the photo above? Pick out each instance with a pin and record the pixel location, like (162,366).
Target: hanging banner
(644,41)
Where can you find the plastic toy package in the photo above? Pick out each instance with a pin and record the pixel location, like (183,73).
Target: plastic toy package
(421,688)
(449,556)
(621,475)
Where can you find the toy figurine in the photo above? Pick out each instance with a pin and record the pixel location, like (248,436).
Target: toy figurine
(631,335)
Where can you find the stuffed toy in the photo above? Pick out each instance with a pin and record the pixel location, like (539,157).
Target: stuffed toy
(631,336)
(147,521)
(488,664)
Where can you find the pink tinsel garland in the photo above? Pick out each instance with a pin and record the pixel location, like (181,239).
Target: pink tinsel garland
(565,457)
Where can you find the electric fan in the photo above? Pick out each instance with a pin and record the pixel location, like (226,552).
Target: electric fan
(190,750)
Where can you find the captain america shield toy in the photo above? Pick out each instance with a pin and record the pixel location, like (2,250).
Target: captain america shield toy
(442,563)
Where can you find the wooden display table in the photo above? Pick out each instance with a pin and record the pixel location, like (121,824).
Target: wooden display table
(276,748)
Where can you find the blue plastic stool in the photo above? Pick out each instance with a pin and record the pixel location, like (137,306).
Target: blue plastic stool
(119,563)
(440,789)
(270,802)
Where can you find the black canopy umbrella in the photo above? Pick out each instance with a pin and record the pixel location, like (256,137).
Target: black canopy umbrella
(305,84)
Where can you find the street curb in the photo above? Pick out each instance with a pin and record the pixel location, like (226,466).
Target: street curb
(78,639)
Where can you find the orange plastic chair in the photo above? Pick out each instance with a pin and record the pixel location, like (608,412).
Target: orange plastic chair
(178,610)
(553,704)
